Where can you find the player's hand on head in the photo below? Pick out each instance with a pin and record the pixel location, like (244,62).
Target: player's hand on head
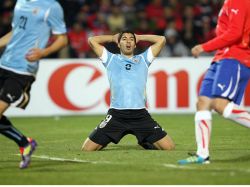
(137,38)
(115,38)
(34,55)
(197,50)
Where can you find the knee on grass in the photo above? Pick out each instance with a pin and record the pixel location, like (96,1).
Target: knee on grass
(165,144)
(89,145)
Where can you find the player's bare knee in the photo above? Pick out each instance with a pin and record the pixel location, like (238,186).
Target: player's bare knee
(165,144)
(203,103)
(219,105)
(167,147)
(216,107)
(170,146)
(88,148)
(84,147)
(89,145)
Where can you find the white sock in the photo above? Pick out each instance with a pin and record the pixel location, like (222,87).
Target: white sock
(236,113)
(203,128)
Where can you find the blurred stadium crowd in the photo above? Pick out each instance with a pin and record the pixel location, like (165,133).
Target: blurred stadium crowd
(183,22)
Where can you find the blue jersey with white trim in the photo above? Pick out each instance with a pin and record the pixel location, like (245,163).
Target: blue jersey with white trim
(127,78)
(32,24)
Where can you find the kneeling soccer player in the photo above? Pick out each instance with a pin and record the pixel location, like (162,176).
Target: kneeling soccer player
(128,76)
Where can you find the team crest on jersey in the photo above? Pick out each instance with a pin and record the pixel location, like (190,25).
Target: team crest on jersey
(35,11)
(136,60)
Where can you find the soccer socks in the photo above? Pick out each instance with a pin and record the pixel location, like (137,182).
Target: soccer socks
(236,113)
(8,130)
(203,127)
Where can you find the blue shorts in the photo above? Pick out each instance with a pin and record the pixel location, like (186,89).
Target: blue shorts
(227,79)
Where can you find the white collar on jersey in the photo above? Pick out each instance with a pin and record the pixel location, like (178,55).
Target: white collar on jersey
(123,56)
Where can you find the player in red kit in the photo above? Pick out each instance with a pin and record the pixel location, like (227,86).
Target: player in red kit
(225,81)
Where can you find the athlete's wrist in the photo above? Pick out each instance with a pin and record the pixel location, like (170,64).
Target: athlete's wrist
(45,52)
(115,38)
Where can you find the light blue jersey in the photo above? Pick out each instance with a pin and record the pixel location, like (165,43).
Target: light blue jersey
(127,78)
(32,24)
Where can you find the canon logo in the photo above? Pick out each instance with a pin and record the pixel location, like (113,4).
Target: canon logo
(57,81)
(94,84)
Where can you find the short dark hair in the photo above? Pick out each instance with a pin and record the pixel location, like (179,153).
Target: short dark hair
(126,31)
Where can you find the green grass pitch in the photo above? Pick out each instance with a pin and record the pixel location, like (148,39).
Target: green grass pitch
(58,159)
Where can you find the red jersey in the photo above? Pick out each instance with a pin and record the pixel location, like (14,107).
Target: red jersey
(232,32)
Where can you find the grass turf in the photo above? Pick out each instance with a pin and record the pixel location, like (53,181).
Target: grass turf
(125,163)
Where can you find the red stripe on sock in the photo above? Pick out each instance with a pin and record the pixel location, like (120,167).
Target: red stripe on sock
(203,139)
(234,111)
(205,123)
(208,130)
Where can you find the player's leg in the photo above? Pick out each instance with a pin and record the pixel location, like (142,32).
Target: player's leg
(109,130)
(203,120)
(149,133)
(218,82)
(8,130)
(228,83)
(12,91)
(166,143)
(232,110)
(203,116)
(237,114)
(98,138)
(26,145)
(89,145)
(203,128)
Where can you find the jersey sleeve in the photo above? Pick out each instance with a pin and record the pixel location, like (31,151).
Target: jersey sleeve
(56,19)
(13,23)
(106,57)
(237,13)
(148,56)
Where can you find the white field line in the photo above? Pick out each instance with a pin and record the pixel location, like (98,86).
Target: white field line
(208,169)
(45,157)
(176,166)
(173,166)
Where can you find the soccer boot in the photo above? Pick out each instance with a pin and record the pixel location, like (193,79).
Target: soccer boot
(194,159)
(26,153)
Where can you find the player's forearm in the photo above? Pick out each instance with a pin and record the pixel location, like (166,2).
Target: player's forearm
(151,38)
(157,42)
(60,42)
(101,39)
(96,42)
(5,39)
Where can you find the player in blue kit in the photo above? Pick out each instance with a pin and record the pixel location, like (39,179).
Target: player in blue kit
(127,75)
(32,24)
